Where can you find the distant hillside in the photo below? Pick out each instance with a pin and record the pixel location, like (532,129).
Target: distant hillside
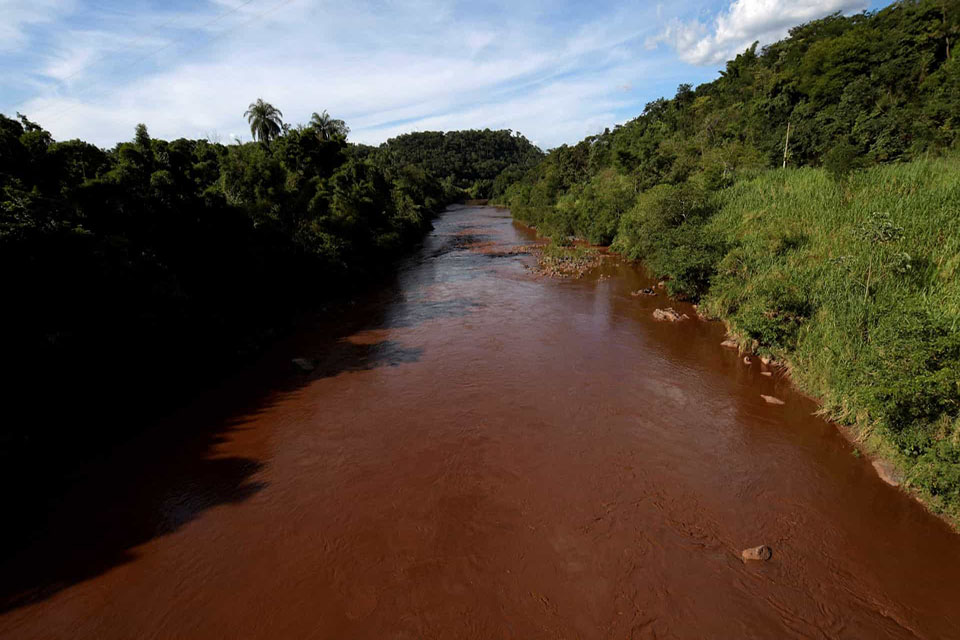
(472,160)
(854,91)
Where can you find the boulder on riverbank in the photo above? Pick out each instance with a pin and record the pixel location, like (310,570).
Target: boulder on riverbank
(730,343)
(669,315)
(761,553)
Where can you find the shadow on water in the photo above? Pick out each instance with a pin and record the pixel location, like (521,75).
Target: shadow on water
(91,518)
(88,516)
(349,356)
(80,517)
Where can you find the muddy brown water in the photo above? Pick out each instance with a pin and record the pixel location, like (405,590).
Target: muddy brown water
(486,453)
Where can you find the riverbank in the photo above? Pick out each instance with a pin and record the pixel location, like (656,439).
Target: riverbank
(852,284)
(855,284)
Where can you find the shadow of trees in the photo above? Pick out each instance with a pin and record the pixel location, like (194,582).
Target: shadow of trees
(76,516)
(84,508)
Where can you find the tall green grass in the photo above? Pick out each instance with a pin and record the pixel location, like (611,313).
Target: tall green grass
(856,283)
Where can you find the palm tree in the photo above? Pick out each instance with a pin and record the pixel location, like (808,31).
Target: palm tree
(265,120)
(327,127)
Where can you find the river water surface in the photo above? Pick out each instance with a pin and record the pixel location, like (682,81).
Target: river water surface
(483,452)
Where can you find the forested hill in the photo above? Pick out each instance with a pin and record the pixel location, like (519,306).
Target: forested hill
(835,251)
(854,92)
(482,163)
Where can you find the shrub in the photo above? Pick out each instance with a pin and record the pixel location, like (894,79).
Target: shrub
(912,370)
(666,229)
(842,160)
(593,210)
(775,312)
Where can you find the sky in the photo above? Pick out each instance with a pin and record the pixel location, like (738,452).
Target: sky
(554,70)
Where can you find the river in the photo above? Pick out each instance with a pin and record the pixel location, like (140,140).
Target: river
(483,452)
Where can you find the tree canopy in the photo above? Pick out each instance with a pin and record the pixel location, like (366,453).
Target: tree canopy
(265,120)
(470,160)
(153,266)
(326,127)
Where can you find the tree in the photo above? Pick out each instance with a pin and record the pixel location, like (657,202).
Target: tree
(141,137)
(265,120)
(327,127)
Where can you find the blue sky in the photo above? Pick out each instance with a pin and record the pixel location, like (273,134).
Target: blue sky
(554,70)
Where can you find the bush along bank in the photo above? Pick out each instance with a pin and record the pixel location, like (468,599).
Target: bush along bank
(809,198)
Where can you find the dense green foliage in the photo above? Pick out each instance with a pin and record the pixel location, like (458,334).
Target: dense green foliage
(843,264)
(134,272)
(854,91)
(327,127)
(481,163)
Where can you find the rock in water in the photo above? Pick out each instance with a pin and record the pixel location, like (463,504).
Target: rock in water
(762,553)
(772,400)
(766,373)
(669,315)
(644,292)
(730,344)
(303,364)
(747,360)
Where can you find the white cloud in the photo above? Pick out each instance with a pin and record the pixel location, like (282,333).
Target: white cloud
(79,50)
(399,94)
(742,24)
(386,67)
(18,15)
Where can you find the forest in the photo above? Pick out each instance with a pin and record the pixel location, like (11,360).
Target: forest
(481,163)
(808,197)
(136,274)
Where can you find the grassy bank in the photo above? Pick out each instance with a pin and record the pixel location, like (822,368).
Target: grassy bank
(852,282)
(855,283)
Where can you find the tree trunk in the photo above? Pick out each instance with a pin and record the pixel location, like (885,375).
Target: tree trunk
(786,146)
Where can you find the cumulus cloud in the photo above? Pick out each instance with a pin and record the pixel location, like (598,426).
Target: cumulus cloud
(742,24)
